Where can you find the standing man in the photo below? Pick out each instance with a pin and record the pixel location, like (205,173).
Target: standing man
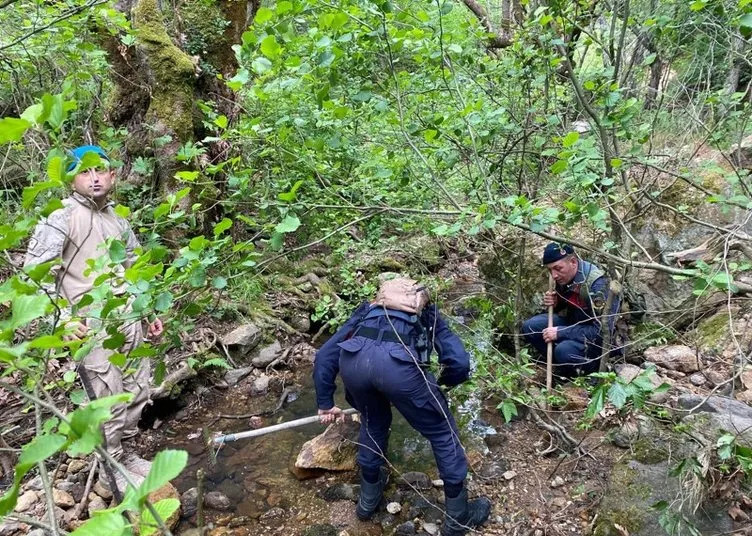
(76,235)
(382,353)
(579,299)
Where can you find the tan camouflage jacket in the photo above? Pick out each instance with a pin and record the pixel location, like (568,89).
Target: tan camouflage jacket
(74,234)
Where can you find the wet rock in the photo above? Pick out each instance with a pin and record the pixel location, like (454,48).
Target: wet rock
(95,504)
(394,508)
(334,450)
(415,480)
(76,465)
(242,339)
(697,379)
(267,354)
(26,501)
(718,414)
(260,385)
(189,502)
(301,322)
(321,530)
(405,529)
(273,513)
(674,357)
(340,492)
(234,376)
(102,491)
(217,501)
(627,434)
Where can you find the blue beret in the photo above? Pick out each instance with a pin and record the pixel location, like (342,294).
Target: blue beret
(555,251)
(78,153)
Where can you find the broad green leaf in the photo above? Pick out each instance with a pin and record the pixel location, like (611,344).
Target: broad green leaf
(290,195)
(187,176)
(261,65)
(30,193)
(570,139)
(117,251)
(221,122)
(12,129)
(167,465)
(47,342)
(264,14)
(559,166)
(106,522)
(27,308)
(617,395)
(164,508)
(56,169)
(163,302)
(198,243)
(270,48)
(222,226)
(219,282)
(508,409)
(283,7)
(288,225)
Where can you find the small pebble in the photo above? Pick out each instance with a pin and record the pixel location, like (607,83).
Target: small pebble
(509,475)
(394,508)
(431,528)
(557,482)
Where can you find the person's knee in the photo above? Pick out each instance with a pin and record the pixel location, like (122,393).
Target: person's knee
(569,352)
(533,325)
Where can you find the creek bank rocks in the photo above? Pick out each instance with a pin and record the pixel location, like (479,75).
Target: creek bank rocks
(241,340)
(713,415)
(68,490)
(675,357)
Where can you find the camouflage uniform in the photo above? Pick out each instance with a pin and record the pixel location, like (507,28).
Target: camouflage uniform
(76,233)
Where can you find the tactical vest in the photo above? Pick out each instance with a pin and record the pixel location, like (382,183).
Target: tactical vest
(417,338)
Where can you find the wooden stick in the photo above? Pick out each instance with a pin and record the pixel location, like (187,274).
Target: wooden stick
(274,428)
(550,345)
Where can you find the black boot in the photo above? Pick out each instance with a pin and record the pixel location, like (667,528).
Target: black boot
(370,495)
(461,516)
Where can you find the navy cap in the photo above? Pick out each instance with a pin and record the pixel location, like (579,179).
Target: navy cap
(78,153)
(555,251)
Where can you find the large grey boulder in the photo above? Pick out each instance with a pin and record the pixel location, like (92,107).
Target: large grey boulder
(267,355)
(674,357)
(717,414)
(242,339)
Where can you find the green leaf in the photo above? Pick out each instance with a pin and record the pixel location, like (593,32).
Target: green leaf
(261,65)
(114,342)
(570,139)
(559,166)
(288,225)
(117,251)
(187,176)
(597,401)
(219,282)
(166,465)
(27,308)
(163,302)
(283,7)
(264,14)
(122,211)
(69,376)
(508,409)
(56,169)
(745,25)
(12,129)
(164,508)
(222,226)
(269,47)
(198,277)
(216,362)
(290,195)
(221,122)
(105,522)
(617,395)
(198,243)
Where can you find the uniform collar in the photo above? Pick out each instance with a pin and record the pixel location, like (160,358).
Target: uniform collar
(89,202)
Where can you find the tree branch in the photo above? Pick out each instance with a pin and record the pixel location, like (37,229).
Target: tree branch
(498,39)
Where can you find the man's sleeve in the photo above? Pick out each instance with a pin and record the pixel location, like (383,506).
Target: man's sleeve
(47,244)
(452,354)
(326,363)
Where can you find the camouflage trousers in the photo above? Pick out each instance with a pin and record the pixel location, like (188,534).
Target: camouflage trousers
(107,379)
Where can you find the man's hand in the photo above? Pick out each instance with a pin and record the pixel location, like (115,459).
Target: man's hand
(155,328)
(550,298)
(77,331)
(330,415)
(550,334)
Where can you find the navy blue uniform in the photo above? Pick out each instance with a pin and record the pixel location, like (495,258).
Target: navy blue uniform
(378,373)
(578,347)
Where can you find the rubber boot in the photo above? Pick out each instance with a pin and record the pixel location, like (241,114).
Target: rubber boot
(370,495)
(461,516)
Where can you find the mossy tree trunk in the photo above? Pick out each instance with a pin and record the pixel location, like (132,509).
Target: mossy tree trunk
(179,50)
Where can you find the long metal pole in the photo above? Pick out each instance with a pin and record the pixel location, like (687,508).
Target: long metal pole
(274,428)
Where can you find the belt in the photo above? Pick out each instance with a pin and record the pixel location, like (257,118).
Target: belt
(382,334)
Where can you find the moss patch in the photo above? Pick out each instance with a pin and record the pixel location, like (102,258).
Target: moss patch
(172,72)
(623,508)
